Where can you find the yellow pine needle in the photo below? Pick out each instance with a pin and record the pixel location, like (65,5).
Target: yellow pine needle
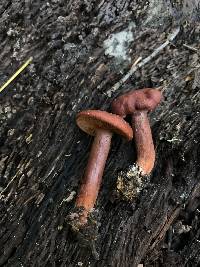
(16,74)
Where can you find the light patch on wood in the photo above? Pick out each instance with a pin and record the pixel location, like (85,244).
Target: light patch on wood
(117,44)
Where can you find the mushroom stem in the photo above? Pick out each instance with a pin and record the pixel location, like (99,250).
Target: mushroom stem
(92,178)
(144,141)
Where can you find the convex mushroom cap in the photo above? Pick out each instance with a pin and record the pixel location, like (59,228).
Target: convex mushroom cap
(91,120)
(138,100)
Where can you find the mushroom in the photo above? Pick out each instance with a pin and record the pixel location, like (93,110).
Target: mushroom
(137,104)
(101,125)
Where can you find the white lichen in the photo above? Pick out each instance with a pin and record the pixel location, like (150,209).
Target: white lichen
(157,11)
(117,44)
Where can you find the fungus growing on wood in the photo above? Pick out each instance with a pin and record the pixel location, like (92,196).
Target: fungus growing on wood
(138,103)
(101,125)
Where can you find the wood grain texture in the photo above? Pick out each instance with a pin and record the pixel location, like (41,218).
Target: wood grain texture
(43,153)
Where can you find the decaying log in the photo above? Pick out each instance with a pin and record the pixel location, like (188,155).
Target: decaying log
(43,153)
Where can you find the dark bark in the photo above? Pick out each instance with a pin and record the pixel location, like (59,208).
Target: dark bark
(43,153)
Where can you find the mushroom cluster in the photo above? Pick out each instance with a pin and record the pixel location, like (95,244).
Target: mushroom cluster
(102,125)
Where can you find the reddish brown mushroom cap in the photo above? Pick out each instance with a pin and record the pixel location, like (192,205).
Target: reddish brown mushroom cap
(136,100)
(91,120)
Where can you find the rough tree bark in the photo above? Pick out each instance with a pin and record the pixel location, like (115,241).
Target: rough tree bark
(43,153)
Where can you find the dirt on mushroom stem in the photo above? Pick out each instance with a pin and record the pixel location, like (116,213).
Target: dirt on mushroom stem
(137,103)
(91,181)
(87,235)
(84,218)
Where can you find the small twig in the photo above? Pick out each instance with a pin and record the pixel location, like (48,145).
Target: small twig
(3,191)
(16,74)
(137,61)
(167,223)
(94,250)
(190,48)
(136,66)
